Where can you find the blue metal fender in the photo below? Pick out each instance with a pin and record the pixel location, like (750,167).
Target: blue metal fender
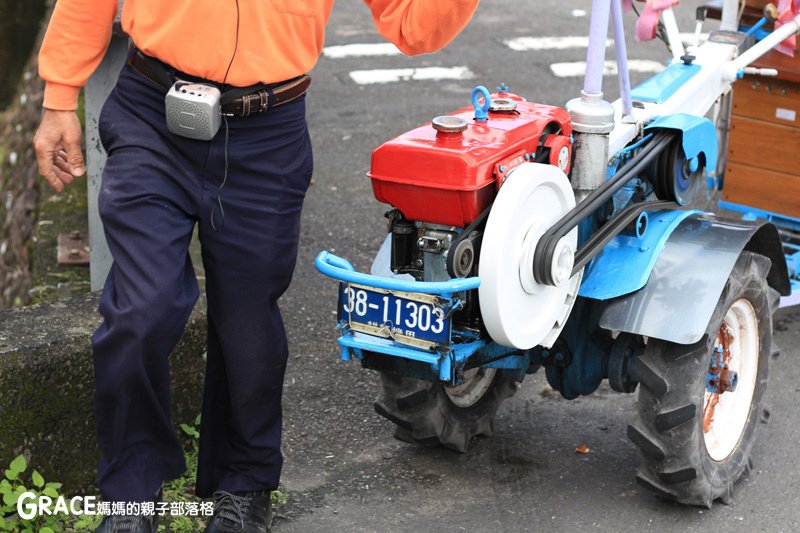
(626,262)
(699,136)
(689,276)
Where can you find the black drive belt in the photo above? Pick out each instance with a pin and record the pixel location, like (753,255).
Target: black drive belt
(547,244)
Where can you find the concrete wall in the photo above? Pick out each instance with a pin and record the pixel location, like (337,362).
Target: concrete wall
(47,386)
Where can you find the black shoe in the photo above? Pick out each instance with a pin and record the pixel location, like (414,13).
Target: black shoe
(128,524)
(132,523)
(250,512)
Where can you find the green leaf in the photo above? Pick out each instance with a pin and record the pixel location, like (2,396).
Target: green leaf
(46,530)
(37,478)
(50,491)
(278,498)
(197,420)
(55,486)
(2,523)
(13,476)
(189,430)
(11,498)
(19,464)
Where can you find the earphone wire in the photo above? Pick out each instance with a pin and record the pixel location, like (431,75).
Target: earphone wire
(225,120)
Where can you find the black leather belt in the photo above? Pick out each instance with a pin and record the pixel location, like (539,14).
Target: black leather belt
(239,101)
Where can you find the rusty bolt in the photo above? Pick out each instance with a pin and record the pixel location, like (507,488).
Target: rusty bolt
(728,380)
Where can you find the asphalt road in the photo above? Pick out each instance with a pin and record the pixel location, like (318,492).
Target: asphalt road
(343,469)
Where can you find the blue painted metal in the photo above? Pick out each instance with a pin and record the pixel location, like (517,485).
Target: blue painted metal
(461,352)
(689,276)
(443,364)
(664,84)
(345,354)
(364,342)
(642,225)
(587,347)
(757,26)
(638,144)
(510,362)
(625,264)
(622,198)
(341,269)
(717,365)
(481,111)
(761,34)
(490,351)
(699,136)
(753,213)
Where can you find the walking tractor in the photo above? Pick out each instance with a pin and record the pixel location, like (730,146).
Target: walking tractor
(525,236)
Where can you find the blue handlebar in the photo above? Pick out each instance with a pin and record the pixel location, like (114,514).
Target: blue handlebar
(341,269)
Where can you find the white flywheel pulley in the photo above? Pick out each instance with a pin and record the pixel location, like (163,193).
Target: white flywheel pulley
(517,310)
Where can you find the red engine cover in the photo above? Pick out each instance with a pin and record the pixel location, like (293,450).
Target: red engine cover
(450,178)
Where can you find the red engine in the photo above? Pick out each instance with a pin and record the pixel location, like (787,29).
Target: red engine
(448,171)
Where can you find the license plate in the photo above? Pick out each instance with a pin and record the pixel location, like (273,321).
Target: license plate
(417,320)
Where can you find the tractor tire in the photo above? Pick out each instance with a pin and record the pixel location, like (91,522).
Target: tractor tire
(432,413)
(695,443)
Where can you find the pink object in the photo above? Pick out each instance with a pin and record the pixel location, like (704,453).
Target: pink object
(648,21)
(787,9)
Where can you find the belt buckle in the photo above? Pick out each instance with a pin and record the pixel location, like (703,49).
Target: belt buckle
(247,102)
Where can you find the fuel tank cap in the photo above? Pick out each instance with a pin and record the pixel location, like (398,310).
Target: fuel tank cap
(503,105)
(449,124)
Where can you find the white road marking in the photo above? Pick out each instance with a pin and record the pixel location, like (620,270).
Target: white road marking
(360,50)
(370,77)
(524,44)
(578,68)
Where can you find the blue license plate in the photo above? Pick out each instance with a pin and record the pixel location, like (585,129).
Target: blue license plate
(418,320)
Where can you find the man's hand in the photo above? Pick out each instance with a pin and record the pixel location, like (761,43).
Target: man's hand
(58,148)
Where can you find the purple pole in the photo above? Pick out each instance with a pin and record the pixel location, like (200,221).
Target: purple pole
(622,58)
(596,54)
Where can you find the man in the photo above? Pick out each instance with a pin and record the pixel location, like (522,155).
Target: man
(244,189)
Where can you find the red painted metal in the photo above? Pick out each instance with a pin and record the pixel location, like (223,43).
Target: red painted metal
(450,178)
(557,143)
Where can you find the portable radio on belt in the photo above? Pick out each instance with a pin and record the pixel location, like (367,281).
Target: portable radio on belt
(193,110)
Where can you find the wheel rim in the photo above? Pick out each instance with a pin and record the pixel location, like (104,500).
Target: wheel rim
(476,383)
(737,347)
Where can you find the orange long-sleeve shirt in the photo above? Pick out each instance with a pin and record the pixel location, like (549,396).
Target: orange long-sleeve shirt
(278,39)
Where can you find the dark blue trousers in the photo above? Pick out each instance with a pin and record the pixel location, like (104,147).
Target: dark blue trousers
(156,187)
